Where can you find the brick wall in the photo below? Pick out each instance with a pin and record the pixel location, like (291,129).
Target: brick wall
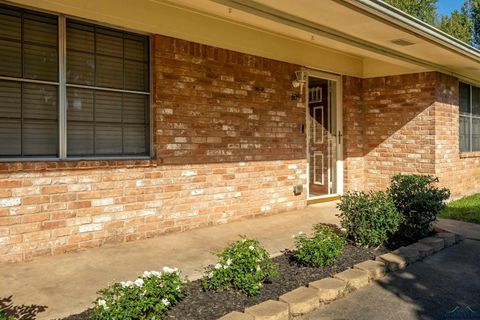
(460,172)
(227,145)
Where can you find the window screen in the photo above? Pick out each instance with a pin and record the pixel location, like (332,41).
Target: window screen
(107,91)
(28,83)
(107,88)
(469,133)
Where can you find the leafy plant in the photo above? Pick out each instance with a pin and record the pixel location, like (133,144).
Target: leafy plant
(5,317)
(419,201)
(320,249)
(369,219)
(243,265)
(150,296)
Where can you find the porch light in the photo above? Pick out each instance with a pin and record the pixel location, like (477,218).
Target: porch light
(299,82)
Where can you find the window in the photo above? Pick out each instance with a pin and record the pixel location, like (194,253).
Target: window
(469,118)
(71,89)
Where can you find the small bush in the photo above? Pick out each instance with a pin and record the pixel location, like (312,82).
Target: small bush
(3,316)
(243,265)
(150,296)
(369,219)
(419,201)
(320,249)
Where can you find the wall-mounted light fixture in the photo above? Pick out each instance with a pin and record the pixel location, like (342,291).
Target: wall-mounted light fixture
(299,82)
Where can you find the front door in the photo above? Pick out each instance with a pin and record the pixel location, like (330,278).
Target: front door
(322,137)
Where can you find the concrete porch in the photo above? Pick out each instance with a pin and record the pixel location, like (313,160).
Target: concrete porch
(66,284)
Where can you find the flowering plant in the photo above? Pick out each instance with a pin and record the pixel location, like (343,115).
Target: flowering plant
(320,249)
(243,265)
(148,297)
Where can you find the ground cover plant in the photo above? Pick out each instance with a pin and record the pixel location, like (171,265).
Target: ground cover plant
(150,296)
(464,209)
(320,248)
(369,219)
(419,201)
(243,265)
(3,316)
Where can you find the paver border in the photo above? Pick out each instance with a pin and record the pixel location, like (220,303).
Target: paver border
(389,262)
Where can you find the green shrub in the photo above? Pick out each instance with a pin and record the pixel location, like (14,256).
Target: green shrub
(3,316)
(243,265)
(320,249)
(150,296)
(419,201)
(369,219)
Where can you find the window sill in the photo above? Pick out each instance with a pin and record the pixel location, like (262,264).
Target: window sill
(53,164)
(474,154)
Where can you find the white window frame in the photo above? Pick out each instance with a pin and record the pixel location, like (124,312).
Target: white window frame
(470,117)
(62,94)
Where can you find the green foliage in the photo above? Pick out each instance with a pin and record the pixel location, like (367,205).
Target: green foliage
(243,265)
(458,24)
(369,219)
(5,317)
(419,202)
(464,209)
(463,25)
(425,10)
(148,297)
(320,249)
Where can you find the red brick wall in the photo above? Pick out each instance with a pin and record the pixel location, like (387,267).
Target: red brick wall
(460,172)
(227,145)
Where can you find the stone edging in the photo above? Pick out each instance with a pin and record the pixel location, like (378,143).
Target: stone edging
(306,299)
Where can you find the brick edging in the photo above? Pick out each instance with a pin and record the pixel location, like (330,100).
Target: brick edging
(304,300)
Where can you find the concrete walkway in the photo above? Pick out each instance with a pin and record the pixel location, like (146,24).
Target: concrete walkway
(55,287)
(445,286)
(466,229)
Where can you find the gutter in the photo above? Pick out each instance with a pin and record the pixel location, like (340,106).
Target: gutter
(414,25)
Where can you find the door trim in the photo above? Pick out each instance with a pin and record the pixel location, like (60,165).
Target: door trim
(337,79)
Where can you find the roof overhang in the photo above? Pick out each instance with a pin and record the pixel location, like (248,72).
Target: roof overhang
(352,37)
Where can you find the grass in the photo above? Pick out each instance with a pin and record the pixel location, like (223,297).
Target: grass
(464,209)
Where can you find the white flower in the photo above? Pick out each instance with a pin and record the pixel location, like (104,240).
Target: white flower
(170,270)
(243,240)
(125,284)
(218,266)
(260,284)
(210,275)
(293,236)
(147,274)
(138,282)
(178,288)
(156,273)
(258,268)
(165,302)
(225,266)
(300,232)
(229,262)
(102,303)
(251,247)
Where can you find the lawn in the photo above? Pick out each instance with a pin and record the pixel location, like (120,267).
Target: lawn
(465,209)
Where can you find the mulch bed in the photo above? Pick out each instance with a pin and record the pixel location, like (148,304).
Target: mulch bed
(206,305)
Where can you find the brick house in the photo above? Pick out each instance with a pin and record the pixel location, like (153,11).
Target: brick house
(123,121)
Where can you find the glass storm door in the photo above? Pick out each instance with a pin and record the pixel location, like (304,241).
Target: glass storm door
(322,139)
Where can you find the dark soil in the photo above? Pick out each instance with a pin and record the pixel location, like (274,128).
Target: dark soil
(205,305)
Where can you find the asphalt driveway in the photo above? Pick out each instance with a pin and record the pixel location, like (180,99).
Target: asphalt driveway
(445,286)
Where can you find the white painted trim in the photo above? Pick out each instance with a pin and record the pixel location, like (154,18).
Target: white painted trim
(337,79)
(315,155)
(314,124)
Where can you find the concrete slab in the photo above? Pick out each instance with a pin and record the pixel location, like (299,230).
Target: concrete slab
(466,229)
(423,249)
(67,284)
(444,285)
(436,243)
